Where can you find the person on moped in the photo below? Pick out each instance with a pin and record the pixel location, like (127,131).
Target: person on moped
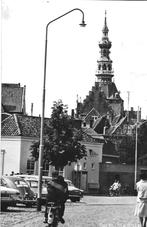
(58,193)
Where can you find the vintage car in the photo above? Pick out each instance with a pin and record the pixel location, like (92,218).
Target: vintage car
(75,194)
(8,197)
(26,196)
(32,181)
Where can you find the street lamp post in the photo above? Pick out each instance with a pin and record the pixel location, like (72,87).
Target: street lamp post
(136,149)
(41,147)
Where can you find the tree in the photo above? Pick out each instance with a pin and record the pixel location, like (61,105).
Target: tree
(142,139)
(61,140)
(127,145)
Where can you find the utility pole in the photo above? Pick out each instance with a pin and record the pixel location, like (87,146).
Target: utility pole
(136,141)
(128,105)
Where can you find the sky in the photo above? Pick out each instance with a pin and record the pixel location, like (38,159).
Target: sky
(73,51)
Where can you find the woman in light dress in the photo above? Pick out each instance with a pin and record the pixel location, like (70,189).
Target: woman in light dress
(141,206)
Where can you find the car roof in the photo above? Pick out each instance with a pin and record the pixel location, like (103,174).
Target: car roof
(36,177)
(13,178)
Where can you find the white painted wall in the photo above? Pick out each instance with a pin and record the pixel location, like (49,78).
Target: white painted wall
(25,153)
(93,174)
(17,151)
(12,146)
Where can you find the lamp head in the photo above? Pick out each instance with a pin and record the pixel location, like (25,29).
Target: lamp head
(83,24)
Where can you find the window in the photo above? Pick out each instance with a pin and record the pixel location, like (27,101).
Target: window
(45,169)
(84,165)
(20,183)
(104,67)
(94,118)
(109,67)
(90,152)
(30,166)
(92,165)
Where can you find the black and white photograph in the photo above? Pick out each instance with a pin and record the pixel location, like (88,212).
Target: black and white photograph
(73,113)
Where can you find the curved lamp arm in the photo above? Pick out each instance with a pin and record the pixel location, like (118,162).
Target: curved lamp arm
(82,24)
(41,147)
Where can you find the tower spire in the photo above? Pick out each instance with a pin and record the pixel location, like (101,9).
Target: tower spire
(105,28)
(104,72)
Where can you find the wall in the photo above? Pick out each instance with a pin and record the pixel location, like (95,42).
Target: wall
(108,172)
(17,153)
(12,146)
(88,175)
(25,153)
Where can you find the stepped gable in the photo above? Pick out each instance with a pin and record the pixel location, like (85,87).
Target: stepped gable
(22,125)
(104,96)
(97,100)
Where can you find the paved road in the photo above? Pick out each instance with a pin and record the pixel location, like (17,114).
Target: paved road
(92,211)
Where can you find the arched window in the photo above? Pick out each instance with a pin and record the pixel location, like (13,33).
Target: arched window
(99,67)
(109,67)
(104,66)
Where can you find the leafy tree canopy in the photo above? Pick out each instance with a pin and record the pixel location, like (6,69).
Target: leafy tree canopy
(128,145)
(61,140)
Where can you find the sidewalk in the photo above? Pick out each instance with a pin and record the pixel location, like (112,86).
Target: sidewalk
(101,200)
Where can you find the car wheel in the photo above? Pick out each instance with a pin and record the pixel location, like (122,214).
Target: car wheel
(4,208)
(29,205)
(74,200)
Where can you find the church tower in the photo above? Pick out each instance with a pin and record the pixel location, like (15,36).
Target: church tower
(104,98)
(104,67)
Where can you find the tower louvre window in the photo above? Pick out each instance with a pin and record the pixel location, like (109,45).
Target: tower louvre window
(109,67)
(104,66)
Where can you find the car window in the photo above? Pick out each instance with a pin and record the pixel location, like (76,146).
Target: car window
(20,183)
(3,182)
(33,184)
(69,183)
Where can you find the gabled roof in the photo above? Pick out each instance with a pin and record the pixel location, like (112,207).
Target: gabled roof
(21,125)
(92,112)
(9,126)
(113,128)
(98,121)
(91,133)
(116,119)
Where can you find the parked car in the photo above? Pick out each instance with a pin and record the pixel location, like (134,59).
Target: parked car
(75,194)
(8,197)
(26,196)
(32,181)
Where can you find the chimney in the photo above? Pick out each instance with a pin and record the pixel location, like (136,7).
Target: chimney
(72,113)
(31,109)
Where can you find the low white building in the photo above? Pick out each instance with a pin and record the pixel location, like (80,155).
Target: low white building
(19,132)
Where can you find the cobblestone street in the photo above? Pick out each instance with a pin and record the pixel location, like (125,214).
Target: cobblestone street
(90,212)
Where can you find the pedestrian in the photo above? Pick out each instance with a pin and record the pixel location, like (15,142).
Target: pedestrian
(141,206)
